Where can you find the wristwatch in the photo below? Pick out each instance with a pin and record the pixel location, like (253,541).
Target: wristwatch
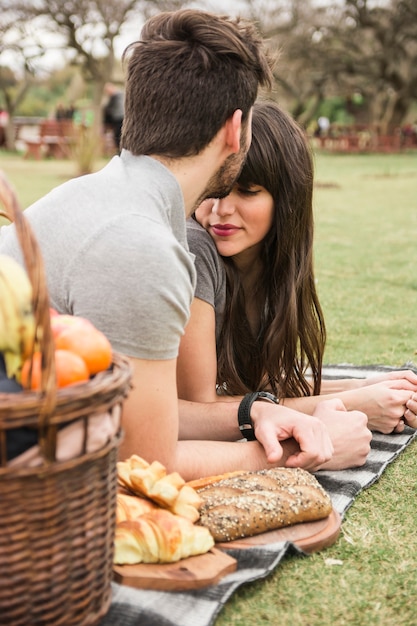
(243,414)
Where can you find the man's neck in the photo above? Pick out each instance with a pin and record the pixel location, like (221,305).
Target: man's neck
(192,174)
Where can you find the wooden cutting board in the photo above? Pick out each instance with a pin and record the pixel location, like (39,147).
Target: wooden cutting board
(308,536)
(207,569)
(192,573)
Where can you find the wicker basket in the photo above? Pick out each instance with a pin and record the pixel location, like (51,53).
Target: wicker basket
(57,519)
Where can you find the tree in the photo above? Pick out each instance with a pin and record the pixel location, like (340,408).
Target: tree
(86,31)
(291,28)
(89,29)
(20,52)
(364,48)
(382,54)
(359,48)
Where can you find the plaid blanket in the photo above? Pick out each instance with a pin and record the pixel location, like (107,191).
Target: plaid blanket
(135,607)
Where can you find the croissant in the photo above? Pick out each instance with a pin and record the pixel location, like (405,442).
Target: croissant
(153,482)
(131,507)
(159,537)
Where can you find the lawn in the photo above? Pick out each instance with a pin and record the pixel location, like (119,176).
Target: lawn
(366,232)
(366,229)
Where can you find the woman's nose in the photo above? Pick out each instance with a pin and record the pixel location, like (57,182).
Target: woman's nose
(223,206)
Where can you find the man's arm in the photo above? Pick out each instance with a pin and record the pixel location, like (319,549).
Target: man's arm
(151,428)
(383,397)
(205,415)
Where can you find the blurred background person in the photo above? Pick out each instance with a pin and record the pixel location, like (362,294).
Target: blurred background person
(114,111)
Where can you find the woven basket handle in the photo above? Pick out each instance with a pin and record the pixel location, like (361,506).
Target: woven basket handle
(44,341)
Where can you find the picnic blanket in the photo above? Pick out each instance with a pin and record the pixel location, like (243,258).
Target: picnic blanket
(134,607)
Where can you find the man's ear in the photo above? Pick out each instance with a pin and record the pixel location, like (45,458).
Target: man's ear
(233,128)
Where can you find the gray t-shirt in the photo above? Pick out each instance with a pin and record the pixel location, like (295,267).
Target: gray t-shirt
(115,251)
(211,275)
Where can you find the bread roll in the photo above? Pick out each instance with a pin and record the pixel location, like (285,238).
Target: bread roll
(169,491)
(255,502)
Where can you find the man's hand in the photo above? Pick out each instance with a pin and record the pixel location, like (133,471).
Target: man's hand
(332,438)
(278,423)
(349,433)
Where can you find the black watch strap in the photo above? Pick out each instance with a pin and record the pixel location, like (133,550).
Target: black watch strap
(243,414)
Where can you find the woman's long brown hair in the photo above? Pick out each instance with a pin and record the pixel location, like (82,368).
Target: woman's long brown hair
(291,335)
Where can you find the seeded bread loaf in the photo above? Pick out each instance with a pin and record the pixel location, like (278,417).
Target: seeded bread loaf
(255,502)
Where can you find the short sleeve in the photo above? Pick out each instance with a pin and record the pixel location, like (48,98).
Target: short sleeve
(211,275)
(135,282)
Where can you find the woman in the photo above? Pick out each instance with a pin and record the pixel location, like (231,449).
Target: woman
(256,321)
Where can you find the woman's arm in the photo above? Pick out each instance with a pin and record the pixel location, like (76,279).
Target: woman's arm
(346,384)
(197,359)
(384,402)
(383,398)
(150,425)
(205,415)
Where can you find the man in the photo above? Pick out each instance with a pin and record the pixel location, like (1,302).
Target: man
(114,242)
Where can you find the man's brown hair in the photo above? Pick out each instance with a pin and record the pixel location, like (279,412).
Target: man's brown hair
(186,76)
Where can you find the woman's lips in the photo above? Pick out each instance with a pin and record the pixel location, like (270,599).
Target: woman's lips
(224,230)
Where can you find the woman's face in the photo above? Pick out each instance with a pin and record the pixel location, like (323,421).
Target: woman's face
(239,222)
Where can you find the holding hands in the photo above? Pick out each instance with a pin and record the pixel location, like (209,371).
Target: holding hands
(349,432)
(389,400)
(333,437)
(312,441)
(330,439)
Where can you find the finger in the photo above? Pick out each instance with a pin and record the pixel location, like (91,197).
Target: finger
(401,383)
(314,450)
(408,374)
(273,450)
(412,403)
(307,460)
(268,439)
(303,460)
(410,418)
(404,398)
(399,427)
(411,376)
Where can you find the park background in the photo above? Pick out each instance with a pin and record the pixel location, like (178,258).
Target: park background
(351,62)
(354,63)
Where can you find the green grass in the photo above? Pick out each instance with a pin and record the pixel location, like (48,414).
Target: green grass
(366,230)
(366,233)
(33,179)
(367,578)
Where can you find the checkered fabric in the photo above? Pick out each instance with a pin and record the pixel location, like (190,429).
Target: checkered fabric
(135,607)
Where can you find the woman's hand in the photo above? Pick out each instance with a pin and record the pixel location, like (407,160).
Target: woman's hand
(411,411)
(386,403)
(351,437)
(396,375)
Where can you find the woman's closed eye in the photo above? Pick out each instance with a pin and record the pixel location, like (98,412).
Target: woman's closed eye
(249,191)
